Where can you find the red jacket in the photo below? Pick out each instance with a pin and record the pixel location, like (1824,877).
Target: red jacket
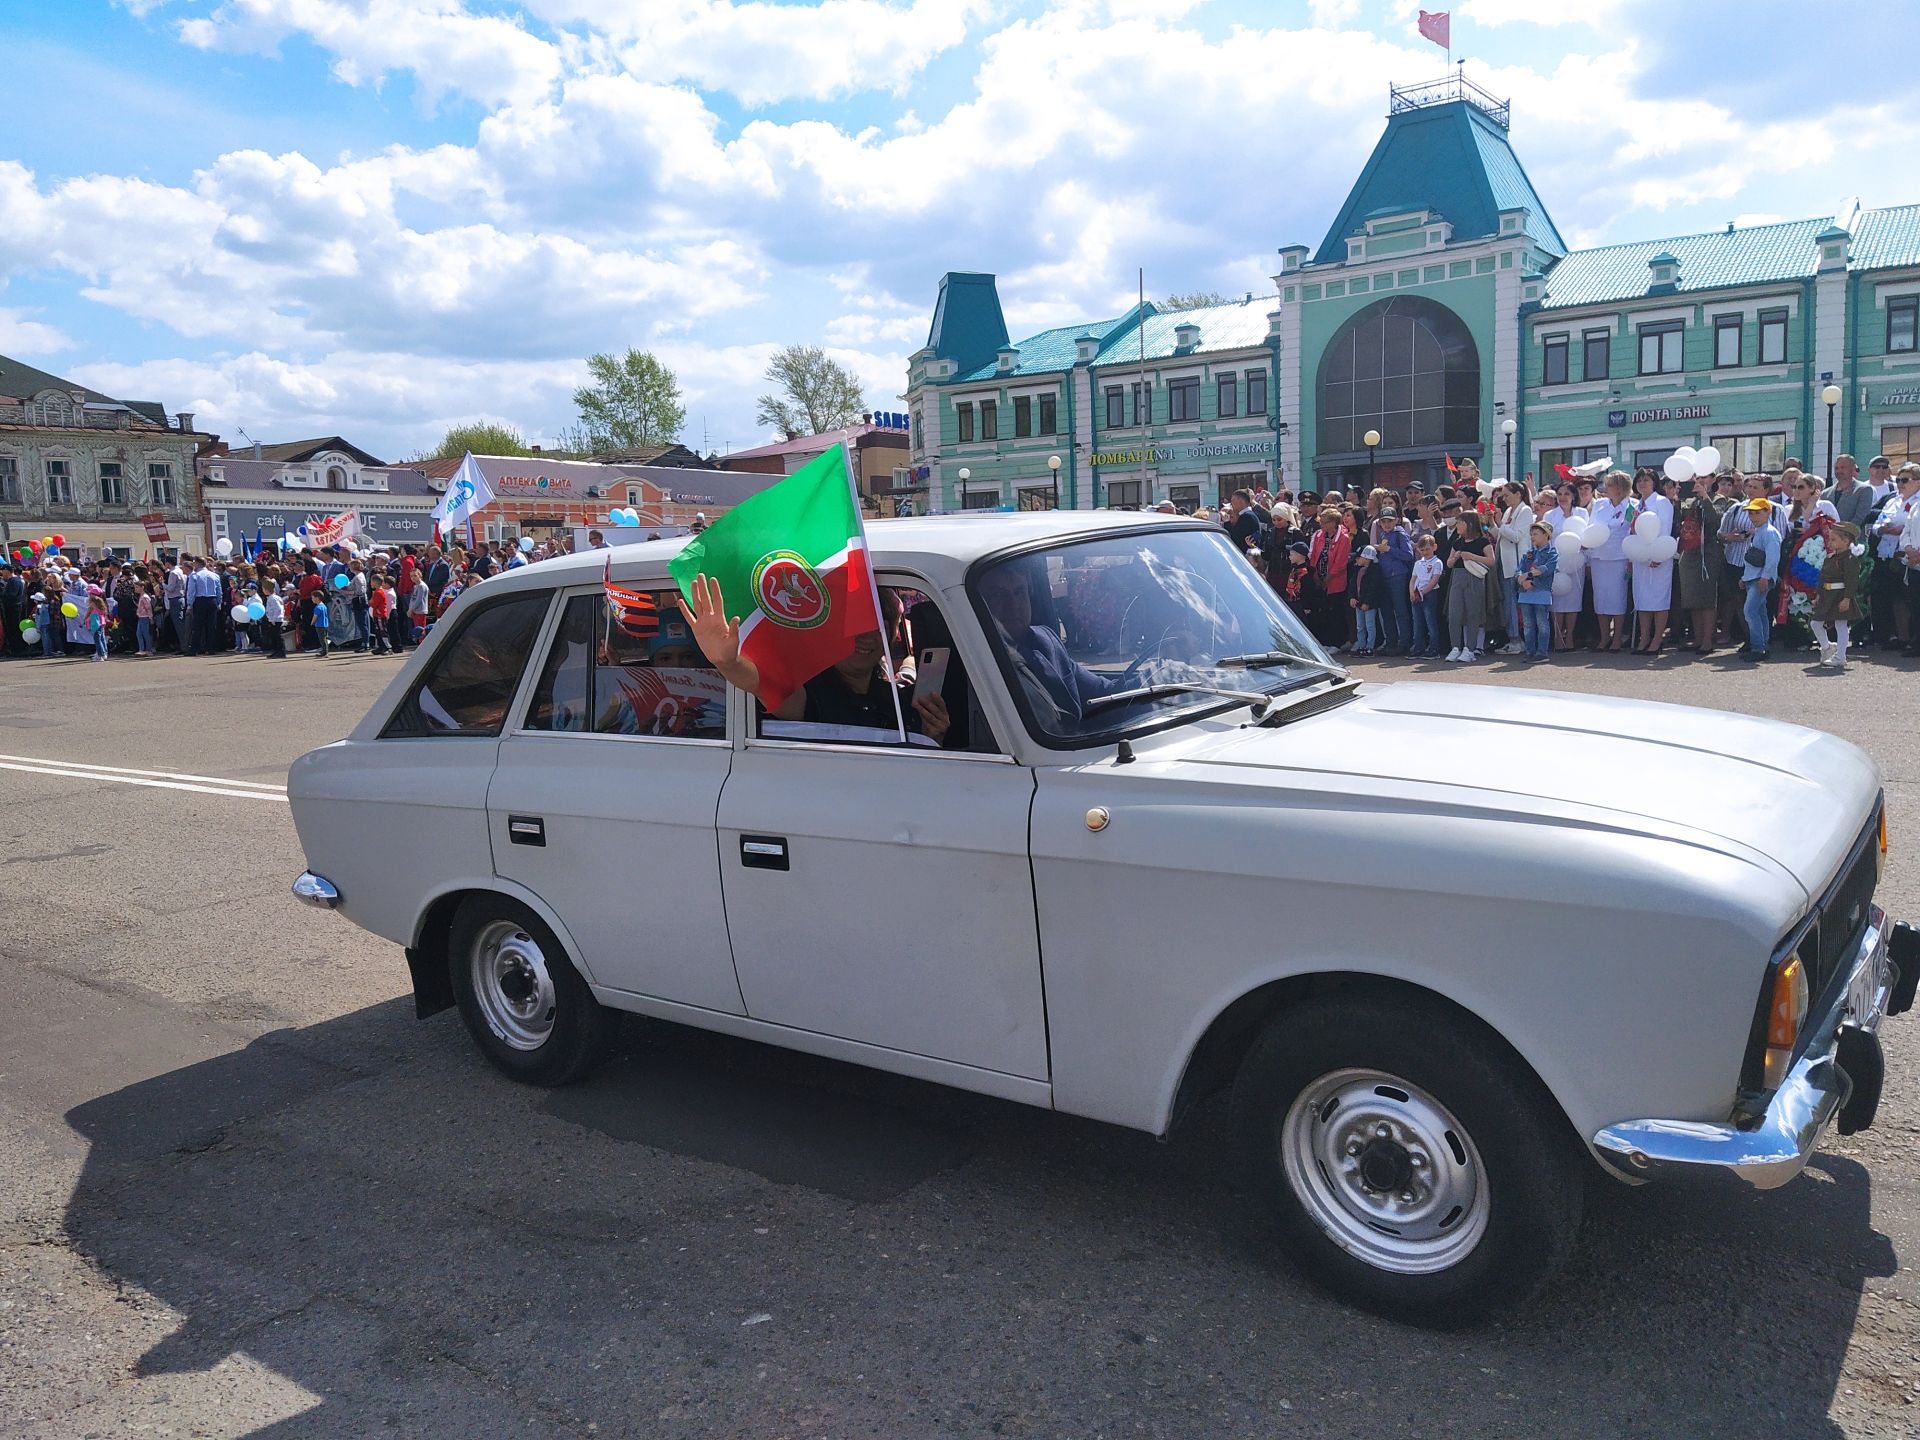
(1332,576)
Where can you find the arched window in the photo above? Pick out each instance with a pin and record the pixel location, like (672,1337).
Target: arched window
(336,478)
(1406,367)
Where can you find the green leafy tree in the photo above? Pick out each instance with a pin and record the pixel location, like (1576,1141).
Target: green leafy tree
(482,437)
(1193,300)
(816,393)
(634,400)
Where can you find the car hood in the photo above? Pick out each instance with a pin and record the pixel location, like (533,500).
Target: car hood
(1779,795)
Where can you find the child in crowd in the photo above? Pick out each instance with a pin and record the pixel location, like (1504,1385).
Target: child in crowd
(242,629)
(273,630)
(143,619)
(97,621)
(380,615)
(1535,598)
(418,598)
(1370,597)
(1425,591)
(321,619)
(1837,600)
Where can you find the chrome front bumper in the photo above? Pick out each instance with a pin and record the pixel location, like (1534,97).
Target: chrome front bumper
(1775,1150)
(315,890)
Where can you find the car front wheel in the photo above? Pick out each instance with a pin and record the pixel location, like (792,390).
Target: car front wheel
(1409,1162)
(523,1002)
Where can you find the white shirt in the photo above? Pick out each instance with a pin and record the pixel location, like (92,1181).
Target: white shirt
(1895,528)
(1426,572)
(1614,517)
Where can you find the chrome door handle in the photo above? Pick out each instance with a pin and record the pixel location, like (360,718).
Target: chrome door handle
(763,852)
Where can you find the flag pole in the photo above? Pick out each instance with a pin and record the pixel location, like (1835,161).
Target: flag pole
(873,588)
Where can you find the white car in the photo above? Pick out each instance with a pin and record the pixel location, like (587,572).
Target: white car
(1448,946)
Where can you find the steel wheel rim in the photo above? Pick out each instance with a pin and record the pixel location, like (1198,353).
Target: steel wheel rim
(513,985)
(1386,1171)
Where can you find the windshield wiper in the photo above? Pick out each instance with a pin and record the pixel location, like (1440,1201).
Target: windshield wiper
(1259,700)
(1259,659)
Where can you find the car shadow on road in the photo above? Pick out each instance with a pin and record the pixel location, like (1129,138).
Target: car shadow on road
(717,1237)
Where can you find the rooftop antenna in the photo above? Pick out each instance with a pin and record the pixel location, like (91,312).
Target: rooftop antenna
(242,432)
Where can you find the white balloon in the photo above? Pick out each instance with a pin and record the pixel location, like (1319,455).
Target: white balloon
(1637,547)
(1665,547)
(239,614)
(223,547)
(1706,461)
(1688,451)
(1563,583)
(1647,524)
(1678,468)
(1594,536)
(1567,543)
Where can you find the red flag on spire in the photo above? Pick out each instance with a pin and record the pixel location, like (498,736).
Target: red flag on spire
(1436,26)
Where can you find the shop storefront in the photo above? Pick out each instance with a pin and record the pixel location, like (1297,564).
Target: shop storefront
(1190,474)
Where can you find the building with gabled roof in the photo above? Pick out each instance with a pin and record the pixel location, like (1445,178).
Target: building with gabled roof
(107,475)
(1443,317)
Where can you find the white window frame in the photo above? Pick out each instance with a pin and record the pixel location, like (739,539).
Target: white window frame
(63,494)
(118,498)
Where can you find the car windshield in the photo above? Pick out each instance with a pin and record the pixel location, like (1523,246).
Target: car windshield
(1103,637)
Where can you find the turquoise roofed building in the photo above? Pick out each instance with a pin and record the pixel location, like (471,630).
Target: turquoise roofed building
(1442,317)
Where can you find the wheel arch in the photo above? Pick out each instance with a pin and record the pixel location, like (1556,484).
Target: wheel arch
(427,956)
(1216,1056)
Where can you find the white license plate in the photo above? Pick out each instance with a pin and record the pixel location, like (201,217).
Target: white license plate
(1863,994)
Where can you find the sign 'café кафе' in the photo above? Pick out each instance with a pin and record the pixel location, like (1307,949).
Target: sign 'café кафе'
(1444,316)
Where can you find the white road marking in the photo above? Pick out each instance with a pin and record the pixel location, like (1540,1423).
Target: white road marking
(221,788)
(153,774)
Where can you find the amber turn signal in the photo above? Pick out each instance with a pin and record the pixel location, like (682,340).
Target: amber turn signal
(1786,1011)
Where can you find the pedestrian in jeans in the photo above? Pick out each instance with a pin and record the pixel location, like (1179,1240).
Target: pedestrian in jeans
(1760,561)
(143,619)
(320,624)
(97,621)
(1533,590)
(1424,592)
(1370,597)
(273,630)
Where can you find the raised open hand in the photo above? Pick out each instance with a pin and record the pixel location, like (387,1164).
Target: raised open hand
(706,612)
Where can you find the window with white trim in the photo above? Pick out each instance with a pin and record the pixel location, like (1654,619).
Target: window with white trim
(1123,494)
(1753,454)
(1773,337)
(1903,325)
(1596,354)
(1116,407)
(1728,332)
(1226,392)
(1256,392)
(1022,416)
(1048,415)
(1553,360)
(989,420)
(1660,348)
(963,423)
(59,482)
(113,485)
(160,482)
(1183,399)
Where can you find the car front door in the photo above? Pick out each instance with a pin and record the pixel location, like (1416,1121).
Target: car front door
(883,895)
(604,798)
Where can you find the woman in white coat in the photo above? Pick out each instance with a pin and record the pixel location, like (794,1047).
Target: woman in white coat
(1652,579)
(1608,564)
(1516,518)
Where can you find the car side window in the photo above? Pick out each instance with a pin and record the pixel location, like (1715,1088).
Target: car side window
(469,684)
(628,669)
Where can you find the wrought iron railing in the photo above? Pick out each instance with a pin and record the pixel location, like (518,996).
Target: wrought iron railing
(1449,88)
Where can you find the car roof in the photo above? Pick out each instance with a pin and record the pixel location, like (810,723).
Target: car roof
(937,547)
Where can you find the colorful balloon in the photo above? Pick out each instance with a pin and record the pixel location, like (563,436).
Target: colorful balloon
(69,609)
(30,635)
(340,582)
(59,540)
(255,610)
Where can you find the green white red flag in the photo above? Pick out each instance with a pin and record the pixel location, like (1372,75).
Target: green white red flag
(792,564)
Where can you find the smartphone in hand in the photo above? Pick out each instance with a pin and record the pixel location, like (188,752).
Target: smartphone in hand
(930,671)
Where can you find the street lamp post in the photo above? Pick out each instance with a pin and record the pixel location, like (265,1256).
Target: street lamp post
(1053,469)
(965,475)
(1830,397)
(1507,427)
(1371,440)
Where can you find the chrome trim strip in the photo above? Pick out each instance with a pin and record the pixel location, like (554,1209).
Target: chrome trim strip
(1777,1149)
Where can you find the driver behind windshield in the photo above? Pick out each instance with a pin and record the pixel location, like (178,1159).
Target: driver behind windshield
(1008,595)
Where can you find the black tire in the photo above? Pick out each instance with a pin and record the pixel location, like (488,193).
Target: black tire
(1509,1140)
(555,1043)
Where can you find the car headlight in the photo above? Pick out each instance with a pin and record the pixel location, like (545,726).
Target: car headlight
(1786,1013)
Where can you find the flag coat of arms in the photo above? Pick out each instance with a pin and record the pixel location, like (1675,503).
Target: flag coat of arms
(792,564)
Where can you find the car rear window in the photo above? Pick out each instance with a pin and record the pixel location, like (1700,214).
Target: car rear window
(630,671)
(469,684)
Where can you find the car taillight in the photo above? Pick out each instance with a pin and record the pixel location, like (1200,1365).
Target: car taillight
(1786,1012)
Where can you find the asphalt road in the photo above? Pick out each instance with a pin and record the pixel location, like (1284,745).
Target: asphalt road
(243,1191)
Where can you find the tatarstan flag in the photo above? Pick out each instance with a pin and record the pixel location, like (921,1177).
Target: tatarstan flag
(792,565)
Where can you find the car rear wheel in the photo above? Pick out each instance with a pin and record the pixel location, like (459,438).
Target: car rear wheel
(1409,1162)
(523,1002)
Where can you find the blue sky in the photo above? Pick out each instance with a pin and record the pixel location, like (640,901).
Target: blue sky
(381,217)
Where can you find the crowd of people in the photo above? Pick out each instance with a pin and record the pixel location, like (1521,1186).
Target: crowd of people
(1606,561)
(344,597)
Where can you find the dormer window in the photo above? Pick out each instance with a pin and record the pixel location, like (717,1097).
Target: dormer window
(1009,357)
(1085,347)
(1356,250)
(1665,267)
(1186,335)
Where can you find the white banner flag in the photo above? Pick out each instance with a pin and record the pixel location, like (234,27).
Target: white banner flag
(467,492)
